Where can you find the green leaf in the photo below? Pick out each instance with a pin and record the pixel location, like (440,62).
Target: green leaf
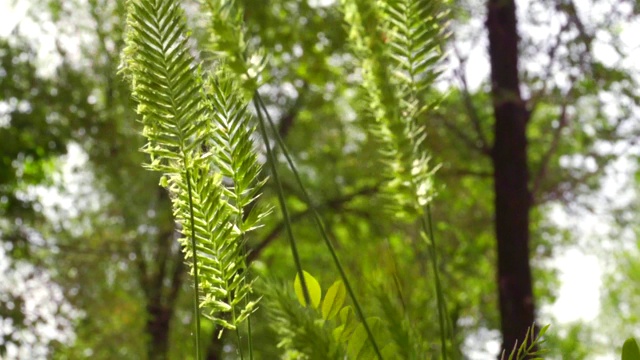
(346,314)
(164,181)
(348,331)
(357,341)
(349,322)
(390,351)
(367,352)
(333,300)
(315,292)
(630,350)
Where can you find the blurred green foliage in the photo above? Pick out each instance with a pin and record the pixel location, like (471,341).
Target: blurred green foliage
(116,257)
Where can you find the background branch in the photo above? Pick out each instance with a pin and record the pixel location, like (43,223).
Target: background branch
(334,204)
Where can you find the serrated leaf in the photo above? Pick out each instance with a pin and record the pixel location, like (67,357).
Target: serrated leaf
(315,292)
(333,300)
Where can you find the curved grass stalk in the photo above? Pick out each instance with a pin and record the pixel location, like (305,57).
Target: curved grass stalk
(427,227)
(196,281)
(282,201)
(227,41)
(238,161)
(227,38)
(321,228)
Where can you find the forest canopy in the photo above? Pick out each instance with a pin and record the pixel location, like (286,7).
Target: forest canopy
(226,179)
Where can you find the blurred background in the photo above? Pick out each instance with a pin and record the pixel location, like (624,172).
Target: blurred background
(89,265)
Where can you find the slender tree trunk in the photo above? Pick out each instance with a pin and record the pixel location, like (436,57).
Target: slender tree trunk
(512,197)
(161,301)
(158,325)
(161,278)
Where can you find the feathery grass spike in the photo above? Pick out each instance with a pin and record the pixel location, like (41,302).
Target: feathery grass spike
(398,44)
(167,88)
(235,155)
(199,138)
(227,42)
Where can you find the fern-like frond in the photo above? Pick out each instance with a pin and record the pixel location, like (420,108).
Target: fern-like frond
(234,156)
(397,43)
(396,55)
(167,86)
(165,82)
(302,334)
(218,244)
(234,151)
(407,341)
(227,42)
(199,138)
(415,34)
(530,347)
(368,41)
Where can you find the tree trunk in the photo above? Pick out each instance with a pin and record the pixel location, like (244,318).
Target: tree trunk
(161,277)
(158,325)
(509,155)
(161,301)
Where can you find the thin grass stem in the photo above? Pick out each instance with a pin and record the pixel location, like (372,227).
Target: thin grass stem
(321,227)
(427,226)
(239,343)
(196,286)
(282,201)
(250,338)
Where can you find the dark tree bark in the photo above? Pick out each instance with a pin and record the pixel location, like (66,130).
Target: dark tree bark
(158,325)
(509,155)
(162,289)
(161,277)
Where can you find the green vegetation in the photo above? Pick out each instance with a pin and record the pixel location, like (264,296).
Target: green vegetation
(308,180)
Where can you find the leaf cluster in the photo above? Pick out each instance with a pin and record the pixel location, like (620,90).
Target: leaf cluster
(529,349)
(326,328)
